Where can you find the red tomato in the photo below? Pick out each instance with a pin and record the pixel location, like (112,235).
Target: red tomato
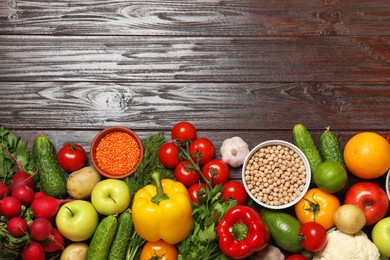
(183,131)
(216,171)
(236,191)
(197,189)
(72,157)
(168,155)
(296,257)
(203,148)
(313,236)
(186,174)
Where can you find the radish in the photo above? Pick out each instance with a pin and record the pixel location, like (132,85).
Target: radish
(33,251)
(40,229)
(4,190)
(24,194)
(39,194)
(55,242)
(20,177)
(46,206)
(10,207)
(17,226)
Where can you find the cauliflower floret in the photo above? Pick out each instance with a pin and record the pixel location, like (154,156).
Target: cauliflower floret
(342,246)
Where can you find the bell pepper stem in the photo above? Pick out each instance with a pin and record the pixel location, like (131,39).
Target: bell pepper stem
(239,231)
(160,195)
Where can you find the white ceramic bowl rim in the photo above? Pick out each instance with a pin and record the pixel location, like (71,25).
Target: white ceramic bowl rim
(301,155)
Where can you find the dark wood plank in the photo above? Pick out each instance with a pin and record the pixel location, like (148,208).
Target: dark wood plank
(200,17)
(228,106)
(192,59)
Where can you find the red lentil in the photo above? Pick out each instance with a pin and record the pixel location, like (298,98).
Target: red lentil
(117,153)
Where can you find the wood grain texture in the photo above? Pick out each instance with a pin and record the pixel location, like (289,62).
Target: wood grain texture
(199,17)
(213,106)
(193,59)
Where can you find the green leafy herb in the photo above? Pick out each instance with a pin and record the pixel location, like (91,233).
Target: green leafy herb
(149,164)
(202,242)
(17,147)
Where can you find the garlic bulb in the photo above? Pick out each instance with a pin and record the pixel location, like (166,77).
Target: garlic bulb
(233,151)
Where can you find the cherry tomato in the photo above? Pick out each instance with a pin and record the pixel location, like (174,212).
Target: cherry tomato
(203,149)
(319,206)
(235,190)
(168,155)
(186,174)
(216,171)
(197,189)
(313,236)
(183,131)
(296,257)
(158,250)
(72,157)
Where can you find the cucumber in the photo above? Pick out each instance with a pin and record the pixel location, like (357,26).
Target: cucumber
(330,149)
(122,237)
(101,241)
(51,177)
(304,141)
(284,229)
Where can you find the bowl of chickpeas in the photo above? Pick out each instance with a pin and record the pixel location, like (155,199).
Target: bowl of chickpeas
(276,174)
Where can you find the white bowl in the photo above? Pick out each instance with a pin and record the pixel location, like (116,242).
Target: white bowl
(388,184)
(302,157)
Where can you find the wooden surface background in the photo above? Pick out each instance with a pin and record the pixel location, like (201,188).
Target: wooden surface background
(251,68)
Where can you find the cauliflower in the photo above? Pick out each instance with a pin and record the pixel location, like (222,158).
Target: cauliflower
(342,246)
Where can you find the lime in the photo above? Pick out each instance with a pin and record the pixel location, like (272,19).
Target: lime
(330,176)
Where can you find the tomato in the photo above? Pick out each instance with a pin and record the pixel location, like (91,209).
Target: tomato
(186,174)
(183,131)
(72,157)
(168,154)
(296,257)
(197,189)
(319,206)
(158,250)
(216,171)
(235,190)
(313,236)
(202,150)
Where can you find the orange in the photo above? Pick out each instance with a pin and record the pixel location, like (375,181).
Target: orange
(367,155)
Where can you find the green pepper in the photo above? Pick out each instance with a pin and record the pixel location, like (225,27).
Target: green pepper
(242,232)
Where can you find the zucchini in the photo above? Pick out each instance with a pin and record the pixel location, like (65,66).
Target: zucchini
(101,241)
(122,237)
(51,177)
(304,141)
(284,229)
(330,148)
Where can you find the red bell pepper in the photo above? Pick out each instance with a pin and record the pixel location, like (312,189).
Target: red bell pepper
(242,232)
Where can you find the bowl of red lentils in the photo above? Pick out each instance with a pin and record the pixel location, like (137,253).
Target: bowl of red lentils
(116,152)
(276,174)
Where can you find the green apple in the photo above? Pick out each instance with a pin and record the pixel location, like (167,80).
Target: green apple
(381,236)
(77,220)
(110,196)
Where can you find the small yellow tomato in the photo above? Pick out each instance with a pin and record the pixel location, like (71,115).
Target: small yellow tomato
(158,250)
(319,206)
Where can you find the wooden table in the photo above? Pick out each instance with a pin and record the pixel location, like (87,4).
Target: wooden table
(251,68)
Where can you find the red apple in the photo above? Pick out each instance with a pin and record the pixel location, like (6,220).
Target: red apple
(371,198)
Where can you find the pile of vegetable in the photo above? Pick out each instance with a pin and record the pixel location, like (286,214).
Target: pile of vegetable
(180,203)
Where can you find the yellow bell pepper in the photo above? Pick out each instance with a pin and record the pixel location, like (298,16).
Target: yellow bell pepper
(163,211)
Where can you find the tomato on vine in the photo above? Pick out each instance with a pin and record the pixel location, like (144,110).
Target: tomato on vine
(202,150)
(72,157)
(197,189)
(235,190)
(183,131)
(168,154)
(186,174)
(313,236)
(216,171)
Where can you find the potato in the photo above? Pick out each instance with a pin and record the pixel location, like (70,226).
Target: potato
(81,182)
(75,251)
(349,219)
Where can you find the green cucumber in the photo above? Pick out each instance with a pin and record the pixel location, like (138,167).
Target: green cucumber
(99,247)
(51,176)
(304,141)
(122,237)
(284,229)
(330,148)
